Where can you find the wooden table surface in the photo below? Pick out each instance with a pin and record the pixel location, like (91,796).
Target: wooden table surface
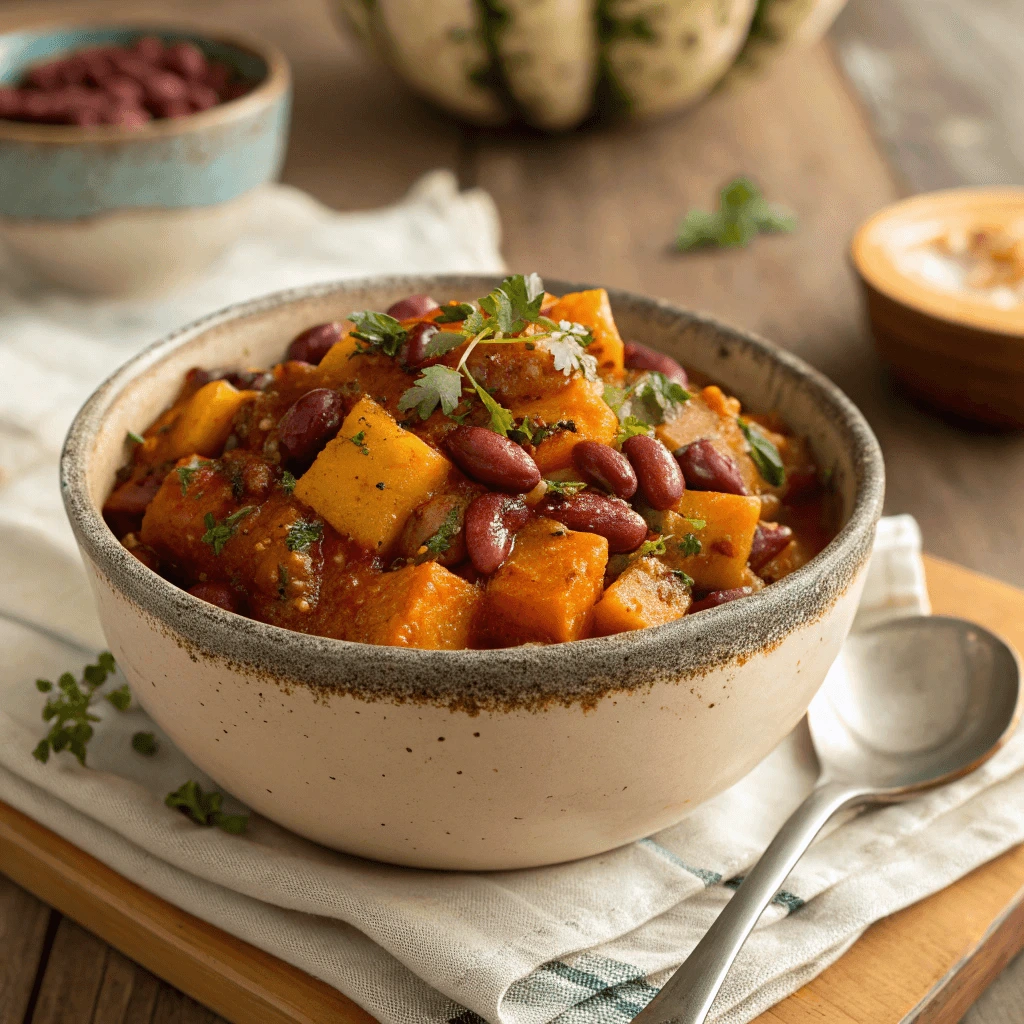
(905,97)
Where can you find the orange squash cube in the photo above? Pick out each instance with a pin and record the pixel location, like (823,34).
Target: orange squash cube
(592,309)
(546,590)
(423,606)
(203,425)
(648,593)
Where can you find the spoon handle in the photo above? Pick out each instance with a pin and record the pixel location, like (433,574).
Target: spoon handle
(687,996)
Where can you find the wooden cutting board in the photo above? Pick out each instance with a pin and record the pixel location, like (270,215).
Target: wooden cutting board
(925,964)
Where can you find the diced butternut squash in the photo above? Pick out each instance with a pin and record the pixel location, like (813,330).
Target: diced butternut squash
(366,489)
(593,310)
(339,356)
(546,590)
(648,593)
(580,401)
(203,425)
(725,538)
(423,606)
(379,376)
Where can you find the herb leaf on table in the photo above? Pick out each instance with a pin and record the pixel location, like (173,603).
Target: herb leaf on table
(205,808)
(742,214)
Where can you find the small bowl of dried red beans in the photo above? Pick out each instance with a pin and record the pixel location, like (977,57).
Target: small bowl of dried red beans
(130,156)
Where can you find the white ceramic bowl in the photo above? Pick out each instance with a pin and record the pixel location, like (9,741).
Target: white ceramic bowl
(475,759)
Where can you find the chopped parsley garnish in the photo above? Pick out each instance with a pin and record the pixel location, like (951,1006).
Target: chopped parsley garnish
(205,808)
(653,547)
(442,343)
(145,743)
(359,440)
(742,214)
(438,543)
(630,427)
(513,304)
(288,482)
(218,534)
(563,488)
(302,533)
(650,400)
(687,581)
(765,455)
(454,313)
(185,474)
(69,708)
(136,438)
(690,545)
(437,384)
(378,332)
(535,432)
(501,421)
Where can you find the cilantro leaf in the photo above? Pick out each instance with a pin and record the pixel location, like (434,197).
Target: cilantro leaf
(302,533)
(537,432)
(684,579)
(288,482)
(144,743)
(697,524)
(359,440)
(742,214)
(652,399)
(205,808)
(502,421)
(515,302)
(378,331)
(218,534)
(690,545)
(442,343)
(630,427)
(563,488)
(454,313)
(653,547)
(436,384)
(765,455)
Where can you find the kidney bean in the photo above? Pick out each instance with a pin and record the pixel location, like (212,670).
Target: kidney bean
(426,520)
(10,102)
(717,597)
(185,59)
(640,357)
(45,76)
(490,527)
(603,465)
(127,117)
(705,468)
(308,425)
(124,90)
(314,342)
(124,509)
(611,518)
(149,48)
(658,476)
(410,306)
(84,118)
(414,350)
(219,594)
(201,97)
(250,380)
(492,459)
(164,86)
(769,540)
(131,64)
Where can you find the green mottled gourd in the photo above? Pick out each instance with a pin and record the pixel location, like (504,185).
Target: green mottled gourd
(555,63)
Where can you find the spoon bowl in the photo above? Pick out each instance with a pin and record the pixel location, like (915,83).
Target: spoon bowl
(914,703)
(909,705)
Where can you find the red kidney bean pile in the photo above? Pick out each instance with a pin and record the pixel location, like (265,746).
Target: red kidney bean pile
(126,86)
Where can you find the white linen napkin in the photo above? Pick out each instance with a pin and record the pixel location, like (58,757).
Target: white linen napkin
(582,943)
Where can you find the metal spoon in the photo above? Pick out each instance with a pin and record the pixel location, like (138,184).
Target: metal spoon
(909,705)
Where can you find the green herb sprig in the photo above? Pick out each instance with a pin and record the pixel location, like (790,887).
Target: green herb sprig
(563,488)
(765,455)
(205,808)
(69,709)
(218,534)
(742,214)
(303,533)
(145,743)
(651,399)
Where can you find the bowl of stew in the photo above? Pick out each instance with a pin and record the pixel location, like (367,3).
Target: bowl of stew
(131,154)
(491,574)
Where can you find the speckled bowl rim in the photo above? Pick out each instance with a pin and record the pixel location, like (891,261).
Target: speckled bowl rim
(521,677)
(873,262)
(274,85)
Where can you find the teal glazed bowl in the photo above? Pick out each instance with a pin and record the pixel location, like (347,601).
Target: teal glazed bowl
(118,211)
